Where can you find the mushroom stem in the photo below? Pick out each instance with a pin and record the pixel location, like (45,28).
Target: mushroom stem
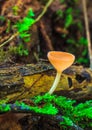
(56,81)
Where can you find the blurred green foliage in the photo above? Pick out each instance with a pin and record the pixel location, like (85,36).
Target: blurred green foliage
(23,26)
(19,50)
(2,18)
(72,22)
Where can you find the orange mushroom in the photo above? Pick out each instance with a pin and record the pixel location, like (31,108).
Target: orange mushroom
(60,61)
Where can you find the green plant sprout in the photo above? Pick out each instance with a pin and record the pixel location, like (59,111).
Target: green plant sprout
(61,61)
(22,28)
(24,25)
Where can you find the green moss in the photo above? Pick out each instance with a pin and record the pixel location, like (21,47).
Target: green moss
(5,108)
(43,110)
(71,113)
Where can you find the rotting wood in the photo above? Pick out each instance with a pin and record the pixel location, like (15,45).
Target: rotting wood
(76,82)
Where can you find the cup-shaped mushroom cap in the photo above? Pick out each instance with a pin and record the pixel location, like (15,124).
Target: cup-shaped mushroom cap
(60,60)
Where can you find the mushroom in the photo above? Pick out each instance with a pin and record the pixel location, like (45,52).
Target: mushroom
(60,61)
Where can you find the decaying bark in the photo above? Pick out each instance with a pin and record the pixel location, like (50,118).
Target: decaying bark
(22,82)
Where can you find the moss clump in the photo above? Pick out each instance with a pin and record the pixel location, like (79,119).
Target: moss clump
(72,114)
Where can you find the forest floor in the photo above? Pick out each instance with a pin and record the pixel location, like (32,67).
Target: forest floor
(58,29)
(51,32)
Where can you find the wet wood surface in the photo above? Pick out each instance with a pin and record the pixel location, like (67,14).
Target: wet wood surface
(20,82)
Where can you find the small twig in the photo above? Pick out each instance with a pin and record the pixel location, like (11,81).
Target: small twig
(44,10)
(11,38)
(87,31)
